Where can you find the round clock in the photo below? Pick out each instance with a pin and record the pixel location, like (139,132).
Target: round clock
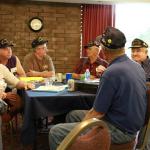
(36,24)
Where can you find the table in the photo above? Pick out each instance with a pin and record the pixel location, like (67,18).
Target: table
(42,104)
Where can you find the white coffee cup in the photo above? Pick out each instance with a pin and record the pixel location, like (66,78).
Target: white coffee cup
(59,77)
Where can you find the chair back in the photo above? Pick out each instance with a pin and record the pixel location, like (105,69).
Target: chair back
(97,138)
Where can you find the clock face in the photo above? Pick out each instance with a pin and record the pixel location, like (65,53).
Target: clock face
(36,24)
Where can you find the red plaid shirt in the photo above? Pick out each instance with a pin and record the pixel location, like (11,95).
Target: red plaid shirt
(85,63)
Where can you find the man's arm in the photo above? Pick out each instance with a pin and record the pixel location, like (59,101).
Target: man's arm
(20,70)
(10,79)
(44,74)
(93,114)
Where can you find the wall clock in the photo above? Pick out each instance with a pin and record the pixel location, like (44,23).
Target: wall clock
(35,24)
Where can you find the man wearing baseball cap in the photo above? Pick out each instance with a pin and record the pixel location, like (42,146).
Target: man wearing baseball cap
(38,63)
(11,61)
(122,89)
(91,62)
(139,53)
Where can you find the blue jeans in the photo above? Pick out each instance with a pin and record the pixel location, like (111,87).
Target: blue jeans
(59,131)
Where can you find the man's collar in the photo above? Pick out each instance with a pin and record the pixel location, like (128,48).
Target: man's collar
(118,59)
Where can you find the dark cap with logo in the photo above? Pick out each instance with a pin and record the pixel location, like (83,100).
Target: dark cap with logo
(92,43)
(38,41)
(138,43)
(113,38)
(4,43)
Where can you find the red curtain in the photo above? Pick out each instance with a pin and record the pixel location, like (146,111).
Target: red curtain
(95,18)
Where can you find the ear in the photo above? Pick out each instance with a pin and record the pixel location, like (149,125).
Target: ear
(146,51)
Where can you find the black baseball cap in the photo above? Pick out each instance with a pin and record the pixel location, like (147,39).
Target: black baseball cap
(38,41)
(113,38)
(138,43)
(4,43)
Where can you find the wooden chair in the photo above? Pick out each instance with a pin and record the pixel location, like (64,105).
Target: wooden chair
(99,137)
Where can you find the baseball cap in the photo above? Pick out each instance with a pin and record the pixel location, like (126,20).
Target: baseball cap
(113,38)
(4,43)
(38,41)
(92,43)
(138,43)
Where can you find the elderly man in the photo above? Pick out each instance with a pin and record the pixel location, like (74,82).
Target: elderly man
(38,63)
(10,61)
(139,53)
(122,89)
(91,62)
(12,99)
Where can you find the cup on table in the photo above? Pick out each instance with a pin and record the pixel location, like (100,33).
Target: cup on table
(59,77)
(71,85)
(68,76)
(48,81)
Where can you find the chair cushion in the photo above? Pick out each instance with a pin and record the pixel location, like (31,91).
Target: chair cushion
(97,138)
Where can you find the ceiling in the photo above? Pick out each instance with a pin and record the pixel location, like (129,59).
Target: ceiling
(93,1)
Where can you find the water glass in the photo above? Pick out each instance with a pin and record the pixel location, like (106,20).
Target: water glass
(49,81)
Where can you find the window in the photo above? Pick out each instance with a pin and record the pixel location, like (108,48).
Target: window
(133,19)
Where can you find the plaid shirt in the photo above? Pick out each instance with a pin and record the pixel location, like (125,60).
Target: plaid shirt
(146,66)
(85,63)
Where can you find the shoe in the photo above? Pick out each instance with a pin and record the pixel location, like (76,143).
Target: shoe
(6,117)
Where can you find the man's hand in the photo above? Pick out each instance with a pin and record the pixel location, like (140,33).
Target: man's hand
(3,95)
(93,114)
(100,69)
(29,86)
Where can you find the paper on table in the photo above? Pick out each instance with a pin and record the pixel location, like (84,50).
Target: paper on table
(31,79)
(51,88)
(93,81)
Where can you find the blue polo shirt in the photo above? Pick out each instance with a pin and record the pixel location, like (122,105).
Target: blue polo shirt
(122,95)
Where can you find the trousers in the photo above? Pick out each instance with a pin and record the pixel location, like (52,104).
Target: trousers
(59,131)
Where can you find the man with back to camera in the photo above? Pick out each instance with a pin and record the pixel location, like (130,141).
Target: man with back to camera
(91,62)
(121,97)
(139,53)
(38,63)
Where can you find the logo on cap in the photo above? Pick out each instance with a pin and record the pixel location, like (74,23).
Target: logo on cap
(113,38)
(38,41)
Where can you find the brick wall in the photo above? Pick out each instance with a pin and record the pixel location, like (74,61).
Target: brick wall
(61,29)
